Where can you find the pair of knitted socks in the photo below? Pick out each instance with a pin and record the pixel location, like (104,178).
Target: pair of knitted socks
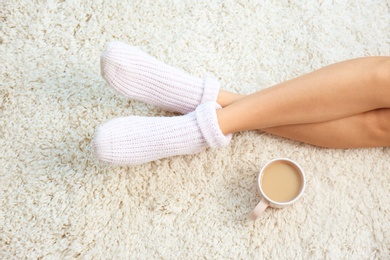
(134,140)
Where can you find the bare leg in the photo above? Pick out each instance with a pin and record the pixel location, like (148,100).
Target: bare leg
(337,106)
(226,98)
(369,129)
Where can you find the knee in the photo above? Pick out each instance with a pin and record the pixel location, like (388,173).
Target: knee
(378,124)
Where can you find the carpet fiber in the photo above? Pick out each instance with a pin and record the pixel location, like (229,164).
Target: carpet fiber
(58,202)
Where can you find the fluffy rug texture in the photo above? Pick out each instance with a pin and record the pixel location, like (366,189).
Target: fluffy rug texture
(58,202)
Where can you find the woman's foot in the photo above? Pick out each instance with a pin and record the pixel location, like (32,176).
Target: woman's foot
(139,76)
(136,140)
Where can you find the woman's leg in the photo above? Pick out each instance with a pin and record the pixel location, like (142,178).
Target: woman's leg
(372,128)
(337,106)
(226,98)
(369,129)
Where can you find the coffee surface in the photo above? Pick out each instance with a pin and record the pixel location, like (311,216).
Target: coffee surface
(281,182)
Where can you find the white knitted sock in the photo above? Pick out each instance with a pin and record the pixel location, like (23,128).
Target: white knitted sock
(139,76)
(135,140)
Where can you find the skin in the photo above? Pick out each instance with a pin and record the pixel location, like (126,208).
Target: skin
(343,105)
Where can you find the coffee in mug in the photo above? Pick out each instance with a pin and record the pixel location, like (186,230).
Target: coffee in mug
(280,183)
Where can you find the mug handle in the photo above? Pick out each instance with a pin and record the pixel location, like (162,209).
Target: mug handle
(258,210)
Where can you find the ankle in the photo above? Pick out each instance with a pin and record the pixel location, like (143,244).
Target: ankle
(226,98)
(223,121)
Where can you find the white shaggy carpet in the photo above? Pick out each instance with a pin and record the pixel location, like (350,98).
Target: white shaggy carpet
(58,202)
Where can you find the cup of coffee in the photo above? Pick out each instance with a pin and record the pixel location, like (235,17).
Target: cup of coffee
(281,182)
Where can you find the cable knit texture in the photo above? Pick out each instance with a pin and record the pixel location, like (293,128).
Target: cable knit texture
(135,140)
(139,76)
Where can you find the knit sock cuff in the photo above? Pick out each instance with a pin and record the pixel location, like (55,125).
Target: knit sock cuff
(207,120)
(211,88)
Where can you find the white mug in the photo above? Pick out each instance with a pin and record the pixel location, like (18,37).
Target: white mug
(266,201)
